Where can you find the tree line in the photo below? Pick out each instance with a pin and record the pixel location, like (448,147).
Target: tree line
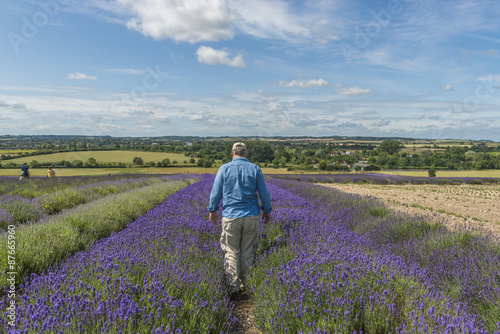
(293,154)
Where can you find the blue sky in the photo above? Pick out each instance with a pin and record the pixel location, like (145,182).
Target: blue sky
(411,68)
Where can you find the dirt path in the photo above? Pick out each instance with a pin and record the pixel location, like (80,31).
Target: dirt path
(244,312)
(472,205)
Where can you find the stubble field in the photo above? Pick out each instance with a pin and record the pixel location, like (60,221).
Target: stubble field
(455,205)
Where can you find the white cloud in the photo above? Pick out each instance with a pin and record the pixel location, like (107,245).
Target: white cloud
(304,83)
(183,21)
(356,90)
(210,56)
(490,77)
(268,19)
(80,76)
(214,20)
(447,88)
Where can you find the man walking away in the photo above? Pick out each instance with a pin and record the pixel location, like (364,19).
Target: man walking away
(25,173)
(237,183)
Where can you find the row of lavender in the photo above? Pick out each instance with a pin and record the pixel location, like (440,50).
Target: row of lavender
(164,274)
(384,179)
(343,263)
(38,186)
(16,209)
(49,241)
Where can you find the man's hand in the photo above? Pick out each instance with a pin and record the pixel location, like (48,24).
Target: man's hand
(266,216)
(214,217)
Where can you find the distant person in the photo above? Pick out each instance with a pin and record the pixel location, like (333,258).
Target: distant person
(25,173)
(237,183)
(51,172)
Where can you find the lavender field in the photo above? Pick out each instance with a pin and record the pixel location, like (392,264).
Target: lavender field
(328,262)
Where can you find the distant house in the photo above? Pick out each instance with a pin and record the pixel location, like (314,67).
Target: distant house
(362,166)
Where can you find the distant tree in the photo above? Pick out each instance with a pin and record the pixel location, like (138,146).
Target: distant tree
(207,164)
(152,163)
(137,161)
(258,151)
(432,171)
(322,165)
(77,163)
(166,162)
(191,161)
(34,164)
(91,162)
(391,146)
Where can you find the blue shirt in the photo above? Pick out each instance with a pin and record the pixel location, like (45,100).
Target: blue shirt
(237,182)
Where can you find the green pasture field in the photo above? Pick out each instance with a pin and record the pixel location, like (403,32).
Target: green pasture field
(15,151)
(418,150)
(104,157)
(447,173)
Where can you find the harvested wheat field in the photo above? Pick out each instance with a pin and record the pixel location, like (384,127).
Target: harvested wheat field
(474,205)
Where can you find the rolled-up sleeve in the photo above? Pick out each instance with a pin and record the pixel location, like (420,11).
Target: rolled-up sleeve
(216,193)
(265,198)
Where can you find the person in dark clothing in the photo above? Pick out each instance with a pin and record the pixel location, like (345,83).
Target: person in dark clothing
(25,173)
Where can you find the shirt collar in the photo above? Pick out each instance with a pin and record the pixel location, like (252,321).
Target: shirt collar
(240,158)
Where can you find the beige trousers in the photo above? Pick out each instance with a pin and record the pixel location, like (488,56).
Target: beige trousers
(239,241)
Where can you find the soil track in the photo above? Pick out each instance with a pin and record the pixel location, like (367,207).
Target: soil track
(472,205)
(244,312)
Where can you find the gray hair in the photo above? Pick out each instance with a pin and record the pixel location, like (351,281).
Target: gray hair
(239,151)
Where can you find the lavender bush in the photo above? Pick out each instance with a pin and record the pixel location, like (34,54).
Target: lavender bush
(49,241)
(39,186)
(322,267)
(461,264)
(382,179)
(162,274)
(5,219)
(20,209)
(24,210)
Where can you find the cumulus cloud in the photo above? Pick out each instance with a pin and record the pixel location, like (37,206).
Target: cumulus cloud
(183,21)
(447,88)
(80,76)
(210,56)
(349,125)
(304,83)
(356,90)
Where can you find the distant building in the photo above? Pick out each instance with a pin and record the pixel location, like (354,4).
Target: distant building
(362,166)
